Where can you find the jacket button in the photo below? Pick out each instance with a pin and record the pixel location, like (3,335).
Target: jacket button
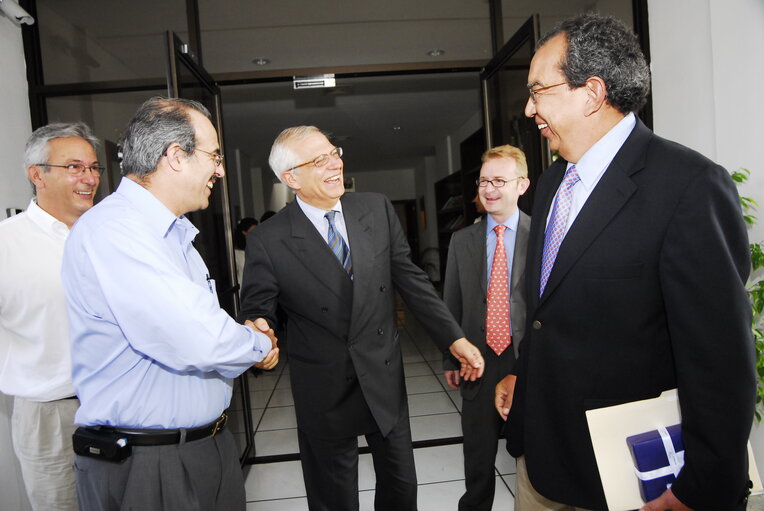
(380,332)
(482,328)
(485,300)
(382,288)
(324,309)
(387,362)
(537,325)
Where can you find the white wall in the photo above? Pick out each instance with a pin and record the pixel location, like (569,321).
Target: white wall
(707,82)
(15,128)
(15,192)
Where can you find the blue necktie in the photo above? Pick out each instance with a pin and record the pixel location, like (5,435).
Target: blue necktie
(555,229)
(338,245)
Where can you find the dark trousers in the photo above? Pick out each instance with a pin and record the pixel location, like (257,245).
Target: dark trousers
(330,470)
(203,475)
(481,427)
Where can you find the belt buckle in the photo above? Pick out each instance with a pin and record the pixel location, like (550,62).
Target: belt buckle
(219,424)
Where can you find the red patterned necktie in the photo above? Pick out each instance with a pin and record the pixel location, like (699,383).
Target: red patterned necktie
(498,334)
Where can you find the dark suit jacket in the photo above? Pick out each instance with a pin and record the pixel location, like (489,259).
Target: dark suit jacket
(342,338)
(647,294)
(466,287)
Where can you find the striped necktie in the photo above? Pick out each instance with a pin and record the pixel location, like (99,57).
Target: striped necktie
(338,245)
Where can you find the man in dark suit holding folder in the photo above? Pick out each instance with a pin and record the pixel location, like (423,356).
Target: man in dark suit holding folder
(332,263)
(637,263)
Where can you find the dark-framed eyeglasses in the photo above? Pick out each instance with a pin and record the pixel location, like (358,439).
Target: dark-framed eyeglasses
(320,160)
(76,169)
(534,92)
(217,158)
(496,183)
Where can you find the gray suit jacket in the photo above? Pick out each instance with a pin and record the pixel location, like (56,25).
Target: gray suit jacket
(466,288)
(341,334)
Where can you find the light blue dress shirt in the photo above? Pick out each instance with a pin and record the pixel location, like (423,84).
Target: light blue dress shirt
(316,217)
(593,164)
(151,347)
(510,235)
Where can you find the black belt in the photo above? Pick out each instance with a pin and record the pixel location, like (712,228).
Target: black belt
(147,437)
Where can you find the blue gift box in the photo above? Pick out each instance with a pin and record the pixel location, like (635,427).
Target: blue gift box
(658,457)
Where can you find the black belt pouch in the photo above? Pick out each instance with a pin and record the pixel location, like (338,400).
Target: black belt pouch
(101,444)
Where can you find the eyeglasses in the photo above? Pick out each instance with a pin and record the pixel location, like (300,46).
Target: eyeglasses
(321,160)
(217,158)
(534,92)
(76,169)
(496,183)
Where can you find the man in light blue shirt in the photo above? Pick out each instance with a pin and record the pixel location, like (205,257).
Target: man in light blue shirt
(153,354)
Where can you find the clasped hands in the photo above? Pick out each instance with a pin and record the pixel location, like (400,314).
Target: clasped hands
(272,358)
(470,360)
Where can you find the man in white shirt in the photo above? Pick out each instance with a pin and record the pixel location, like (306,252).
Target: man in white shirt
(35,366)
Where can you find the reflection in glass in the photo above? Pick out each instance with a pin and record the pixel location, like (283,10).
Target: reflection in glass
(87,41)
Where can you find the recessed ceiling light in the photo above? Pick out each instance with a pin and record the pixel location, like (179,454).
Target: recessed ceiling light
(436,52)
(261,61)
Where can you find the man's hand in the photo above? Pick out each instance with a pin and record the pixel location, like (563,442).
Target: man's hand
(272,358)
(503,395)
(470,359)
(453,378)
(666,502)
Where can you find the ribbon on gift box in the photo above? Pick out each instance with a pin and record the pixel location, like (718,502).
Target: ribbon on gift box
(675,459)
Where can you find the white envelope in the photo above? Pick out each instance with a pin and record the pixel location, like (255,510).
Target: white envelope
(609,428)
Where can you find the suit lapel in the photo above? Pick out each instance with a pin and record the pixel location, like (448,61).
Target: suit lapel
(360,225)
(311,249)
(519,254)
(475,253)
(613,191)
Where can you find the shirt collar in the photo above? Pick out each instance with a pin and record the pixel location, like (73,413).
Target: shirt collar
(315,212)
(159,219)
(47,222)
(594,161)
(511,223)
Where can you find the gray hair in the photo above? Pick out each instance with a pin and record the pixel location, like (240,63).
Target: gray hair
(158,123)
(282,158)
(37,150)
(603,46)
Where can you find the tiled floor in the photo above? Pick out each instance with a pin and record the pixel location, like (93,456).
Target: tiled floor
(434,409)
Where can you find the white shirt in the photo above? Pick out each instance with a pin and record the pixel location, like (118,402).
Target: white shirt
(593,164)
(34,328)
(316,217)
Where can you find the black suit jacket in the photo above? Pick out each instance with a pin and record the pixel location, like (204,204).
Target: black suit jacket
(341,334)
(466,287)
(646,294)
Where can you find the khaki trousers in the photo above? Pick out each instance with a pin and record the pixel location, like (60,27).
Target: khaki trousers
(42,441)
(527,499)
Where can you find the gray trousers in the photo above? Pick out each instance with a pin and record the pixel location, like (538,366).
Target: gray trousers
(203,475)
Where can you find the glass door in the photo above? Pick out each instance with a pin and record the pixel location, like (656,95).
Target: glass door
(503,85)
(187,79)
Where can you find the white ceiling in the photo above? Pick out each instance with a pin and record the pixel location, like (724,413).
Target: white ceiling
(84,40)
